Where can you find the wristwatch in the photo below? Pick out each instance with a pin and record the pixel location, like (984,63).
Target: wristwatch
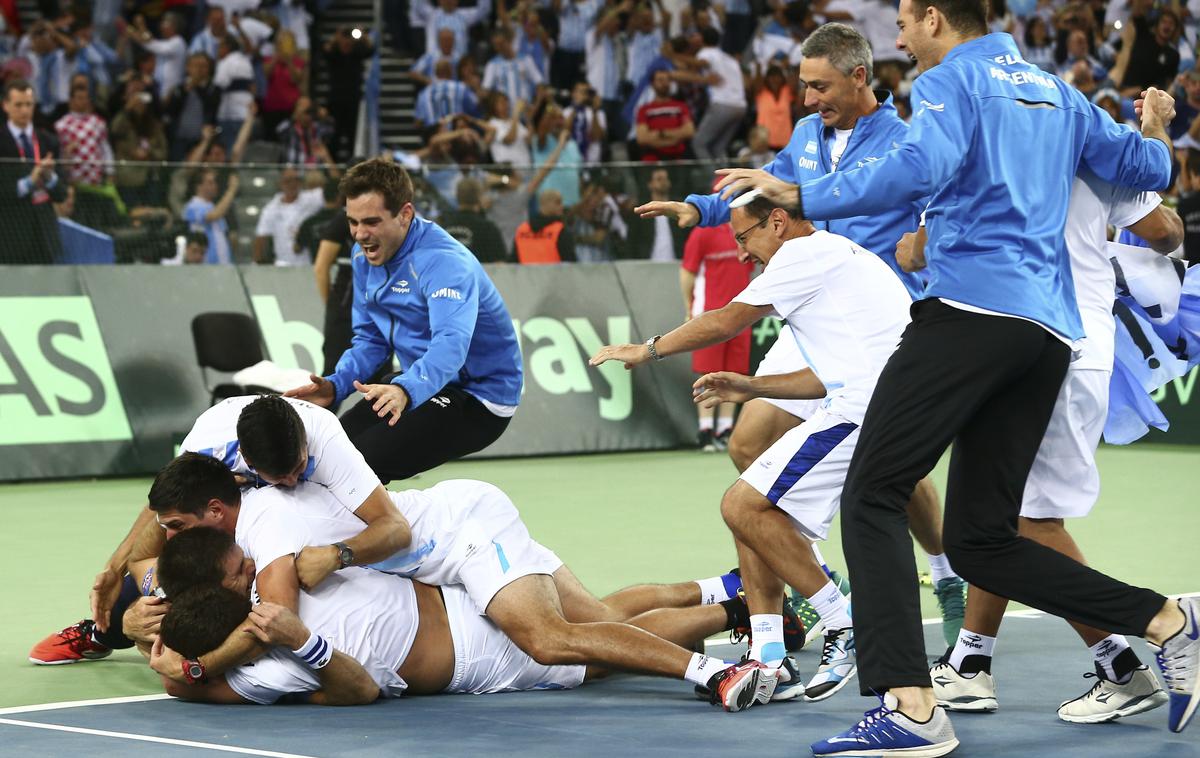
(193,671)
(345,554)
(653,350)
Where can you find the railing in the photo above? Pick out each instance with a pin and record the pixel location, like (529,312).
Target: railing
(144,212)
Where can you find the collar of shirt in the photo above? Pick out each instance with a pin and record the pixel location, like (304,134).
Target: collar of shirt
(999,42)
(16,132)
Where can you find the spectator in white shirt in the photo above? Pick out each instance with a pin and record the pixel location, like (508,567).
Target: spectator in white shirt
(587,122)
(170,51)
(234,77)
(726,99)
(510,140)
(281,218)
(209,38)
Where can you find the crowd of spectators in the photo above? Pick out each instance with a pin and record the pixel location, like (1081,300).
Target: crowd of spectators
(527,101)
(140,108)
(714,81)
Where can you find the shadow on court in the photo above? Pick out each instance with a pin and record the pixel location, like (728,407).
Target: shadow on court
(1040,663)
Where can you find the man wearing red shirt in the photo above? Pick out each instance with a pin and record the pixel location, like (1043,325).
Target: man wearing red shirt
(710,277)
(664,125)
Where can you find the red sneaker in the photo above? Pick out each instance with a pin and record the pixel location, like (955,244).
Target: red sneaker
(742,685)
(71,645)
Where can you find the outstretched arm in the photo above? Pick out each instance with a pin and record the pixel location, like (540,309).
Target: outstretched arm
(710,328)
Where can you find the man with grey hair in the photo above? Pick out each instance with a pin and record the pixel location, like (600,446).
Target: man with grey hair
(852,126)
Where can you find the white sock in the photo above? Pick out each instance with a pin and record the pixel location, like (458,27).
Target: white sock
(833,607)
(1106,650)
(712,590)
(820,558)
(702,667)
(939,568)
(766,631)
(970,643)
(724,424)
(706,423)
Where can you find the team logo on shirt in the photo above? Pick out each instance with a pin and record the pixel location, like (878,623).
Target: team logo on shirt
(811,148)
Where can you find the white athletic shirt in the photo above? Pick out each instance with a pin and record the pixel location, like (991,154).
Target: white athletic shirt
(844,307)
(841,138)
(1095,203)
(368,615)
(436,517)
(333,461)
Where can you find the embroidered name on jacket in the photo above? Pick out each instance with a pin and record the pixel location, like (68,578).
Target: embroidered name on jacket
(448,293)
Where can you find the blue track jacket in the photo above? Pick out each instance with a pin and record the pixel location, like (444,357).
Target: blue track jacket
(434,305)
(996,142)
(806,156)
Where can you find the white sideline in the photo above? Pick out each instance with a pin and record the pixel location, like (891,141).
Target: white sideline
(148,738)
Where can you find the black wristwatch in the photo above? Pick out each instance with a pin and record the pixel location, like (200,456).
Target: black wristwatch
(193,671)
(345,554)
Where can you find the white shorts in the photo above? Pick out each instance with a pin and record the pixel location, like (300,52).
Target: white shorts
(486,660)
(1064,481)
(804,472)
(496,549)
(784,357)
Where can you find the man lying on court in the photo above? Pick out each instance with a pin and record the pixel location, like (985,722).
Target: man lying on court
(467,535)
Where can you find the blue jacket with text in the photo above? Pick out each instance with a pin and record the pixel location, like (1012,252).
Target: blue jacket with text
(995,143)
(434,305)
(807,156)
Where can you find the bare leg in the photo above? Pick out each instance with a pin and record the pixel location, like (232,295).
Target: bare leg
(631,601)
(925,517)
(529,611)
(764,590)
(683,626)
(770,533)
(757,429)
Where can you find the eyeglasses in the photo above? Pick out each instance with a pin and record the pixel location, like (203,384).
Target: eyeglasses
(741,236)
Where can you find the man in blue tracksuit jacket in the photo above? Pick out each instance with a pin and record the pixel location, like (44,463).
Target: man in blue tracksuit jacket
(996,143)
(422,295)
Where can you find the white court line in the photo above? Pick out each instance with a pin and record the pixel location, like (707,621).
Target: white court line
(81,703)
(148,738)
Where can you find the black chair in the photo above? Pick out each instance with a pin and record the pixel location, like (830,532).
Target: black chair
(228,342)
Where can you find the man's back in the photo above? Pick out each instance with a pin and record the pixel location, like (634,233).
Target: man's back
(996,142)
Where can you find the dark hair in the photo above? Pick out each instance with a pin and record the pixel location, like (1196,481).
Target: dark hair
(965,16)
(201,618)
(379,175)
(17,85)
(760,207)
(271,435)
(189,482)
(193,557)
(1029,41)
(197,238)
(710,36)
(1192,161)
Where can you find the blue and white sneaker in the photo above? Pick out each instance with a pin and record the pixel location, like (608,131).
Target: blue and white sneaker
(887,732)
(1178,659)
(839,662)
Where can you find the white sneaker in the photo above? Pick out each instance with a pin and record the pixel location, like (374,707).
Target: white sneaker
(789,685)
(956,692)
(839,663)
(1178,660)
(1107,700)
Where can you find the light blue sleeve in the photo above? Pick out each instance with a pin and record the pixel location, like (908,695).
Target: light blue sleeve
(452,297)
(932,152)
(424,112)
(1118,154)
(368,347)
(714,211)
